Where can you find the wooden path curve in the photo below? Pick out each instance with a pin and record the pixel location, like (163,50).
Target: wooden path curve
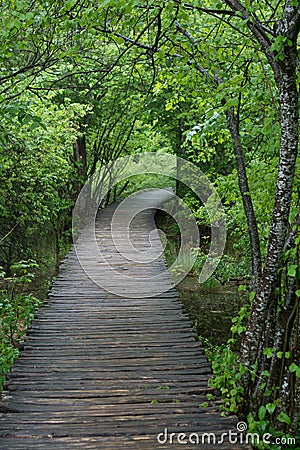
(104,371)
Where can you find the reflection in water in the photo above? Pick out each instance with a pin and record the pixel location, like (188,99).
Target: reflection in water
(211,311)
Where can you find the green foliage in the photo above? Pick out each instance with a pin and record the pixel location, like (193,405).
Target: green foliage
(17,309)
(279,45)
(229,268)
(262,189)
(227,369)
(239,322)
(263,426)
(37,174)
(227,375)
(295,368)
(228,372)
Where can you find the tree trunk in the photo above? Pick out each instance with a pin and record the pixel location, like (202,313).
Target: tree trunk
(265,320)
(179,151)
(233,126)
(80,160)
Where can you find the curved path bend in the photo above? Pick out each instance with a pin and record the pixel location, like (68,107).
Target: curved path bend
(105,370)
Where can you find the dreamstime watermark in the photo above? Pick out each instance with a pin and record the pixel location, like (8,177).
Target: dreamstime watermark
(101,266)
(238,436)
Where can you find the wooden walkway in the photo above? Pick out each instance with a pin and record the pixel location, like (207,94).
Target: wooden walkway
(104,371)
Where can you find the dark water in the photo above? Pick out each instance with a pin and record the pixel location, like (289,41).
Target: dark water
(40,285)
(211,311)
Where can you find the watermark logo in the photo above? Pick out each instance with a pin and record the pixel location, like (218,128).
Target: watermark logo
(237,436)
(99,264)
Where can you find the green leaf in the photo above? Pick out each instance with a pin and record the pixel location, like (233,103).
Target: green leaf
(269,352)
(270,407)
(284,418)
(251,296)
(262,412)
(242,287)
(292,270)
(293,367)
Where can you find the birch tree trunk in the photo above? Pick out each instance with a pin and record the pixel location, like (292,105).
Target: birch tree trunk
(274,320)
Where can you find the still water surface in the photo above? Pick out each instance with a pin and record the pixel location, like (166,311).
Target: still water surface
(211,311)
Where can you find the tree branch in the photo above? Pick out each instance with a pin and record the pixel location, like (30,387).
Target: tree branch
(259,32)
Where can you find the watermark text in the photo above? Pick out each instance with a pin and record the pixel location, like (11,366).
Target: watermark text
(237,436)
